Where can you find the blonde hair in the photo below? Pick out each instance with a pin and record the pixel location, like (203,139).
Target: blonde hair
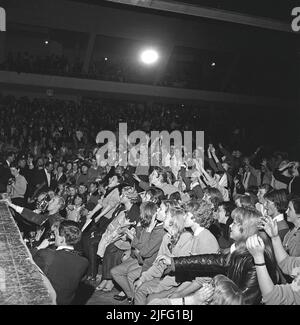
(226,292)
(177,224)
(248,220)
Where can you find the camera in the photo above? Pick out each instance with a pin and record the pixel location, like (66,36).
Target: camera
(42,205)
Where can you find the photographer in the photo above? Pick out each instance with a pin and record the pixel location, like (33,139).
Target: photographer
(64,267)
(46,220)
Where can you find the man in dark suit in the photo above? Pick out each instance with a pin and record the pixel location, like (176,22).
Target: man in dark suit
(44,180)
(64,267)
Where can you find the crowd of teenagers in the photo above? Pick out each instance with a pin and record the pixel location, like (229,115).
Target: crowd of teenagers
(220,229)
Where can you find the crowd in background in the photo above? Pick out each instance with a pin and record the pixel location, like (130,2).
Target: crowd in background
(200,73)
(218,230)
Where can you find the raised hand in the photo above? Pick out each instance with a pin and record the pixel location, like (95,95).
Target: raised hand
(270,226)
(255,246)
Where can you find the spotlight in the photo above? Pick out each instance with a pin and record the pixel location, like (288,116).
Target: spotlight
(149,56)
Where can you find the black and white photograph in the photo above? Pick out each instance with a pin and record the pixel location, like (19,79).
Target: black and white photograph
(150,155)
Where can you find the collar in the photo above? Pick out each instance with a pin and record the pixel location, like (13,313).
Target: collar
(232,248)
(70,248)
(198,231)
(278,218)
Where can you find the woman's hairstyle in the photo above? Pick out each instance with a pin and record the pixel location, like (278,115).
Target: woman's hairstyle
(228,207)
(177,223)
(267,187)
(226,292)
(248,221)
(237,260)
(245,201)
(131,193)
(296,203)
(156,195)
(215,196)
(203,213)
(170,204)
(147,209)
(279,197)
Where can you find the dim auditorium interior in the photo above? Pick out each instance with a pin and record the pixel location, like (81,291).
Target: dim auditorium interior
(87,219)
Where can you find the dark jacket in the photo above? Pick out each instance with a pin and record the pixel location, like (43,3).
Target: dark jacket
(148,245)
(64,269)
(238,266)
(295,186)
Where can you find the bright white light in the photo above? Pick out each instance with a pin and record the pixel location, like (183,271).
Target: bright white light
(46,42)
(105,59)
(149,56)
(213,64)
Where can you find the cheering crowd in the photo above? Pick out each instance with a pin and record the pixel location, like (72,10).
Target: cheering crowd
(219,229)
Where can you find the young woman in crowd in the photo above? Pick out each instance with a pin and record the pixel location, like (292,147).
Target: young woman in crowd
(218,291)
(237,265)
(273,293)
(198,241)
(144,248)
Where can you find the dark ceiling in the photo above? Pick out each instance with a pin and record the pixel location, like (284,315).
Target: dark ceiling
(279,9)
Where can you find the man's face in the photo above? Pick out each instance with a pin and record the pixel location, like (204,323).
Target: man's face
(49,168)
(53,204)
(40,162)
(59,240)
(84,169)
(260,195)
(78,200)
(270,208)
(82,189)
(72,191)
(14,171)
(22,163)
(93,188)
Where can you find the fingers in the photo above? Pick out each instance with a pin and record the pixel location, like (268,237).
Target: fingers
(160,258)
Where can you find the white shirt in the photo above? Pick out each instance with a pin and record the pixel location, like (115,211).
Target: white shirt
(198,231)
(70,248)
(246,179)
(278,218)
(48,177)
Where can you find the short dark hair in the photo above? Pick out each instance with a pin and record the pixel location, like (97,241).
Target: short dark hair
(279,197)
(70,231)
